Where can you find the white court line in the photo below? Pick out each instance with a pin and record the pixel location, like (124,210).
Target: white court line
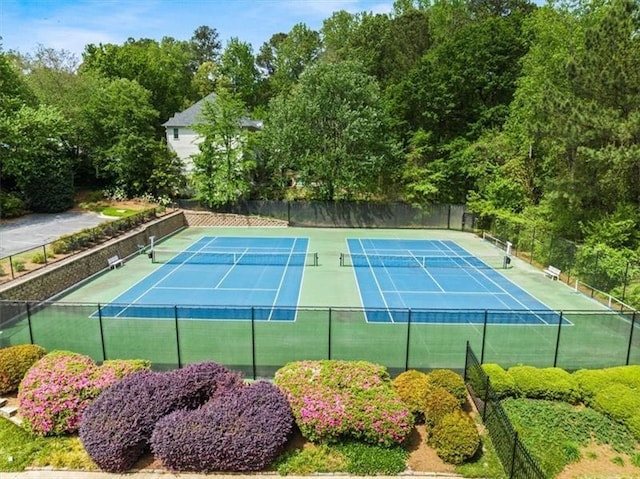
(375,278)
(175,268)
(214,289)
(242,253)
(284,274)
(427,271)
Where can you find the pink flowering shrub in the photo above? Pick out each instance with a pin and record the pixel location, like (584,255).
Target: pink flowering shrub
(57,389)
(337,399)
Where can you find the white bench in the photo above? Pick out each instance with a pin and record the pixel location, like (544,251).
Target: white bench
(114,262)
(552,272)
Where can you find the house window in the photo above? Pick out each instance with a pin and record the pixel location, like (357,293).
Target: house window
(176,133)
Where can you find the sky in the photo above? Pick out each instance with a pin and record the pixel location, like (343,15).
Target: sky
(72,24)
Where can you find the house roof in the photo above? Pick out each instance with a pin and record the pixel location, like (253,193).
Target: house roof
(189,116)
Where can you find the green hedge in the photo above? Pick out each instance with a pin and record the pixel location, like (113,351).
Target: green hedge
(502,382)
(15,361)
(591,381)
(618,401)
(545,383)
(413,387)
(451,381)
(456,438)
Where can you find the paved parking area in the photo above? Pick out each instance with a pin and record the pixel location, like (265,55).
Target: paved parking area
(34,230)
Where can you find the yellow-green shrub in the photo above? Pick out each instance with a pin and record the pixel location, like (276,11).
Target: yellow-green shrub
(617,401)
(413,387)
(554,384)
(451,381)
(591,381)
(634,425)
(456,438)
(15,361)
(439,403)
(502,382)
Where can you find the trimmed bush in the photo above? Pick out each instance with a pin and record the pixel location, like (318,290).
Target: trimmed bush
(413,388)
(438,404)
(634,425)
(11,206)
(59,387)
(332,400)
(116,429)
(617,401)
(456,438)
(554,384)
(451,381)
(502,382)
(241,431)
(591,381)
(15,361)
(40,258)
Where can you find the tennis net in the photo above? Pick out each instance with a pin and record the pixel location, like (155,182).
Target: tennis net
(234,258)
(411,261)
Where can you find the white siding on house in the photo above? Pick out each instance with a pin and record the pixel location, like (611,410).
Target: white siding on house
(185,145)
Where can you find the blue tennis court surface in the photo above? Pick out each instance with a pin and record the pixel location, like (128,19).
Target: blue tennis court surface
(397,276)
(220,278)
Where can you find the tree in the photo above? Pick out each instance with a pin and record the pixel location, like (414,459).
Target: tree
(164,69)
(121,141)
(293,54)
(223,167)
(205,46)
(36,157)
(239,71)
(332,131)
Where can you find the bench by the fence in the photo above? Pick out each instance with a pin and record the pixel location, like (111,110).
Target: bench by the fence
(114,262)
(552,272)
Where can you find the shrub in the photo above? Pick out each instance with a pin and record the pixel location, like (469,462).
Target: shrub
(617,401)
(63,245)
(340,399)
(11,206)
(438,404)
(117,427)
(413,387)
(633,423)
(456,438)
(40,258)
(502,382)
(241,431)
(449,380)
(19,265)
(591,381)
(15,361)
(59,387)
(545,383)
(314,458)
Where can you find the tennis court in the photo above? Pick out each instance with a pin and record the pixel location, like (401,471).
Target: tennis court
(217,277)
(327,305)
(434,275)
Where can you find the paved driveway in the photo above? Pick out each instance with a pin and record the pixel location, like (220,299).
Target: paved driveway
(37,229)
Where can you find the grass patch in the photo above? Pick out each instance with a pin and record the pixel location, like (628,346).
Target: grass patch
(350,456)
(118,212)
(18,448)
(555,431)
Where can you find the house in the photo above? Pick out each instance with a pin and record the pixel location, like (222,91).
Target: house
(181,137)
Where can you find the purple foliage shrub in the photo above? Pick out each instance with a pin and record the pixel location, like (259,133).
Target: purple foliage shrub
(240,431)
(59,387)
(335,399)
(117,427)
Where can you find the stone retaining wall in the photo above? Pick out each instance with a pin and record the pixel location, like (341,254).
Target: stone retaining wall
(205,218)
(62,275)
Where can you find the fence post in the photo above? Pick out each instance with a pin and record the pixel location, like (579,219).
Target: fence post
(513,454)
(104,350)
(29,323)
(466,361)
(253,341)
(329,337)
(406,360)
(624,281)
(633,325)
(13,276)
(555,356)
(484,334)
(175,319)
(449,216)
(533,245)
(44,253)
